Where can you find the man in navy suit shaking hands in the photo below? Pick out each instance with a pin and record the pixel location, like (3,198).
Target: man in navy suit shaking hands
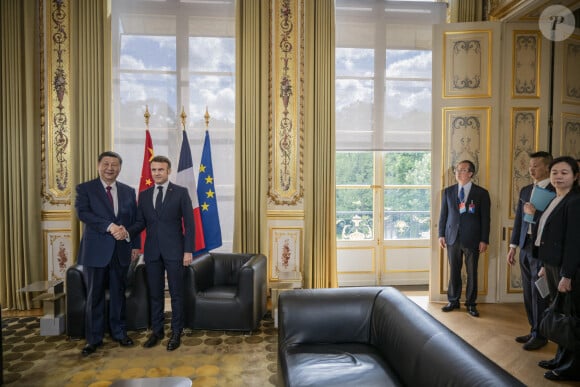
(105,206)
(166,211)
(464,230)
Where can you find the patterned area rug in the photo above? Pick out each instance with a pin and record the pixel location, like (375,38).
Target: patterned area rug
(208,358)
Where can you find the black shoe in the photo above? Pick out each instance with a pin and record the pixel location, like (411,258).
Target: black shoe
(450,306)
(523,339)
(91,348)
(548,364)
(152,341)
(472,310)
(125,341)
(553,375)
(535,343)
(174,342)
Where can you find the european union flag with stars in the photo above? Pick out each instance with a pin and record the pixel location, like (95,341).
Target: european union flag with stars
(207,198)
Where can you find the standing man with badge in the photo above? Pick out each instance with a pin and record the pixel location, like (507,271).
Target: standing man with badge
(464,226)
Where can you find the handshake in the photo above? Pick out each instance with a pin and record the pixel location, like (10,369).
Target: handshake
(119,232)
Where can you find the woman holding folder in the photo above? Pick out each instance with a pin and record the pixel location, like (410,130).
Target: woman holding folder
(557,245)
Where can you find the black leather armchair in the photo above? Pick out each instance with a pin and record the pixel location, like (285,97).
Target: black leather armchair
(136,294)
(225,291)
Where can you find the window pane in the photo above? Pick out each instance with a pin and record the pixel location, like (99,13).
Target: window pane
(407,115)
(354,168)
(158,91)
(211,54)
(407,213)
(148,53)
(408,64)
(354,114)
(407,168)
(354,214)
(217,92)
(354,62)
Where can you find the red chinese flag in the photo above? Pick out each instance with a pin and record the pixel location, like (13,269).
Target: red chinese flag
(146,178)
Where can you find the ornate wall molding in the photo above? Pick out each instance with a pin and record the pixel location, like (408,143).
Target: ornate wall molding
(286,136)
(58,256)
(526,64)
(467,64)
(55,105)
(571,135)
(523,141)
(466,137)
(571,89)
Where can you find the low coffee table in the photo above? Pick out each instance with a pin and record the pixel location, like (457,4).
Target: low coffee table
(174,381)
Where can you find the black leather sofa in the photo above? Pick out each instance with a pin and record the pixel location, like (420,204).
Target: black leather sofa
(373,337)
(225,291)
(136,297)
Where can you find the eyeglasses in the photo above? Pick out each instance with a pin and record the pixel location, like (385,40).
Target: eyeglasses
(462,170)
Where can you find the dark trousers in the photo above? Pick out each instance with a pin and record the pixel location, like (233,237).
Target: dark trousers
(455,255)
(533,302)
(98,279)
(156,280)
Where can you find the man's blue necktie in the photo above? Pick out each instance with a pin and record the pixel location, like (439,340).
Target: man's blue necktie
(462,195)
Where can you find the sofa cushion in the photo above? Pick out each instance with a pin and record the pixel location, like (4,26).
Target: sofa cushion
(425,352)
(337,365)
(326,315)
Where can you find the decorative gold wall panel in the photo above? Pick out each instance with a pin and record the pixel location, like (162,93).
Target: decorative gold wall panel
(467,64)
(526,64)
(571,89)
(571,135)
(57,253)
(465,137)
(56,152)
(285,260)
(286,102)
(523,141)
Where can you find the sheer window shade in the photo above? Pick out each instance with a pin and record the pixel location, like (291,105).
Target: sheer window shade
(169,54)
(383,72)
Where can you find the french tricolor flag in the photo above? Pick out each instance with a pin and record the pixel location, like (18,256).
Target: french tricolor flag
(186,178)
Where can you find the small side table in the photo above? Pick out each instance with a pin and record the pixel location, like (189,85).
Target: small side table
(52,298)
(275,289)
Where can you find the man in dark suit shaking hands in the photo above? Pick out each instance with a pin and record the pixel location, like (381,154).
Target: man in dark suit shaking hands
(166,211)
(464,230)
(105,206)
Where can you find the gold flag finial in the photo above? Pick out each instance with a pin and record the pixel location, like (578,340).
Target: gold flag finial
(183,117)
(206,116)
(147,116)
